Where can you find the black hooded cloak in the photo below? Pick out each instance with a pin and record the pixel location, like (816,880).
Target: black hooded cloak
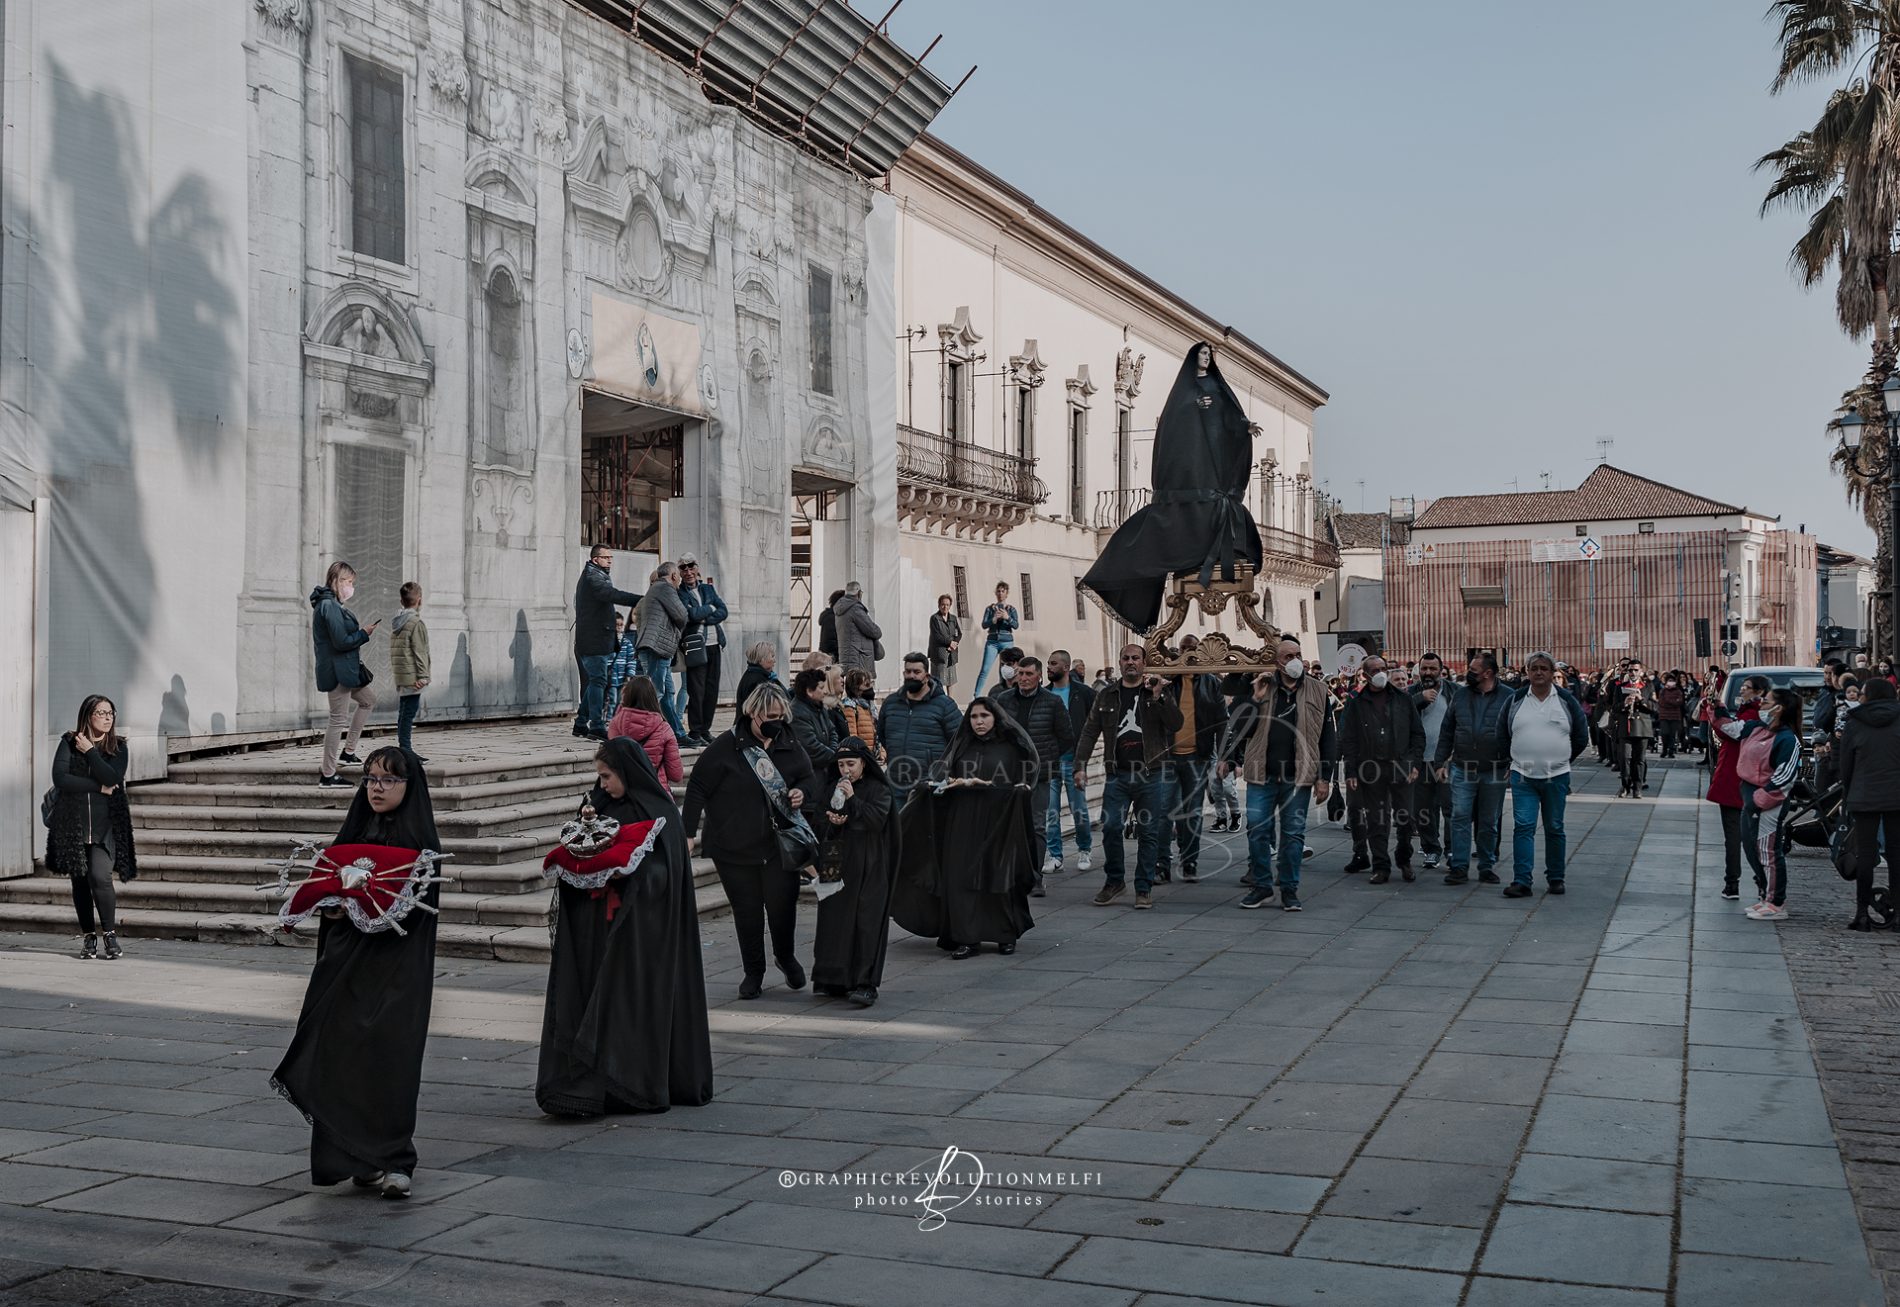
(854,922)
(625,1026)
(354,1067)
(969,856)
(1198,520)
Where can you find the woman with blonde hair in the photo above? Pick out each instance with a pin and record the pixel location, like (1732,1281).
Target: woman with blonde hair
(761,658)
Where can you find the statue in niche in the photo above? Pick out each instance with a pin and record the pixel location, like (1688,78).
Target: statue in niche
(363,334)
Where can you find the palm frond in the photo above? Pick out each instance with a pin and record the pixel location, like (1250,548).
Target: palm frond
(1820,244)
(1819,37)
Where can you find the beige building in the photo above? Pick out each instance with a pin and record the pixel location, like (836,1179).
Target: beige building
(1031,366)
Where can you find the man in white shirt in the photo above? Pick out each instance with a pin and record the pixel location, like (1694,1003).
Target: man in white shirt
(1546,729)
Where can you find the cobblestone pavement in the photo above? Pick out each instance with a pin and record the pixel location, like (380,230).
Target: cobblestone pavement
(1405,1096)
(1848,987)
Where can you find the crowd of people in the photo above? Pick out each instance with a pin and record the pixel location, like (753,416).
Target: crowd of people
(947,820)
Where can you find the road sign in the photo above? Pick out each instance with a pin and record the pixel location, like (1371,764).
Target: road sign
(1588,548)
(1730,648)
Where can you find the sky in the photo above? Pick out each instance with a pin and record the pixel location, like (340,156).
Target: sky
(1495,232)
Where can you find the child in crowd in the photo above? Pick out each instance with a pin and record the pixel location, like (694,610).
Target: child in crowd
(625,661)
(409,662)
(639,719)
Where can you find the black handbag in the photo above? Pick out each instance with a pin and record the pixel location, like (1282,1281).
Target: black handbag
(48,801)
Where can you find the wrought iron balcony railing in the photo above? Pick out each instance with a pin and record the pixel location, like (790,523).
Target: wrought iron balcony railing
(1113,507)
(928,459)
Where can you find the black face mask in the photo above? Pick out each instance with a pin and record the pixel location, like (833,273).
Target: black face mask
(771,730)
(1474,679)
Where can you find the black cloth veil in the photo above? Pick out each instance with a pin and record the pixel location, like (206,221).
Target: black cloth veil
(625,1025)
(354,1066)
(1198,520)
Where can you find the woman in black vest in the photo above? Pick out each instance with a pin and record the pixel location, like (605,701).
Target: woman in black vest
(90,836)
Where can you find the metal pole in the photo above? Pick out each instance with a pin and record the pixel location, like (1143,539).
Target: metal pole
(1893,537)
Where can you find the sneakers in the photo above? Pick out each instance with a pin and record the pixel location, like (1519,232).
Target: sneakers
(1732,893)
(1289,901)
(1431,862)
(1554,887)
(113,951)
(1257,898)
(90,949)
(349,759)
(1052,866)
(1190,875)
(1517,891)
(333,782)
(1144,901)
(1219,826)
(395,1185)
(374,1180)
(863,995)
(1107,895)
(1084,862)
(1767,912)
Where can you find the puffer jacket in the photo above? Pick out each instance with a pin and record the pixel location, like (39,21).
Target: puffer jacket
(1046,720)
(1475,732)
(1869,757)
(337,636)
(649,730)
(661,617)
(408,649)
(916,733)
(819,731)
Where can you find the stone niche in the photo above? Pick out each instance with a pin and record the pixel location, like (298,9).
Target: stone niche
(367,359)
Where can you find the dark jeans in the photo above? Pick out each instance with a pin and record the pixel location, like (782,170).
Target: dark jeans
(1039,807)
(593,691)
(1634,769)
(1430,816)
(94,889)
(1477,808)
(1183,794)
(702,693)
(1868,828)
(1529,797)
(407,707)
(1131,796)
(1731,848)
(761,897)
(1380,803)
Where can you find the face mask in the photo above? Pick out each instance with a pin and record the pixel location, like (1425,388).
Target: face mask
(1379,680)
(1295,668)
(771,730)
(1473,678)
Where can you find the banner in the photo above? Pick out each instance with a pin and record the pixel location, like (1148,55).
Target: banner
(646,356)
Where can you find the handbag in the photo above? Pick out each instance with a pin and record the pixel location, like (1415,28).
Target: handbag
(48,801)
(693,648)
(877,651)
(797,842)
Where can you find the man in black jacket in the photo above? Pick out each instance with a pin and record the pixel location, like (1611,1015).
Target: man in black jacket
(1185,773)
(1135,720)
(1047,721)
(1076,695)
(1474,754)
(594,598)
(1383,744)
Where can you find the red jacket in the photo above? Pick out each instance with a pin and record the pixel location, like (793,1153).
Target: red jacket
(1725,787)
(650,731)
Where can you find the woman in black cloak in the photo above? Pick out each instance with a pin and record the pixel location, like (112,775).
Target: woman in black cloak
(625,1029)
(354,1067)
(1198,520)
(854,921)
(969,851)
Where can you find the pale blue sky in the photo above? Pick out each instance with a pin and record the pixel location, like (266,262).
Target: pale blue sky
(1494,231)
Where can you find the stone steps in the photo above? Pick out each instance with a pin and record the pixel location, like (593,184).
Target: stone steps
(539,816)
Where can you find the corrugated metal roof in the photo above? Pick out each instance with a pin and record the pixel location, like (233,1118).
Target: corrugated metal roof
(813,71)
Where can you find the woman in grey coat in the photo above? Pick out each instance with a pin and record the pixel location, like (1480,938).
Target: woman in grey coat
(946,633)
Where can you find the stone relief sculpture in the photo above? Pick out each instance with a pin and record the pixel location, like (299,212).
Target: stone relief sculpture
(448,76)
(496,115)
(292,15)
(364,335)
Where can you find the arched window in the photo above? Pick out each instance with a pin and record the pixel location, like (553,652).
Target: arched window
(504,441)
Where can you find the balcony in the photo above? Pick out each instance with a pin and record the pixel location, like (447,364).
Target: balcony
(1285,555)
(946,485)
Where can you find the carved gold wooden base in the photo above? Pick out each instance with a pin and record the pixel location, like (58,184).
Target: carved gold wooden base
(1216,652)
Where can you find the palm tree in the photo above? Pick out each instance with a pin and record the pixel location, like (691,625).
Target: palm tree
(1845,171)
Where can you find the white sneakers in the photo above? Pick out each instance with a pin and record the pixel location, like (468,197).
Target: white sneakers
(1052,866)
(1766,912)
(1084,862)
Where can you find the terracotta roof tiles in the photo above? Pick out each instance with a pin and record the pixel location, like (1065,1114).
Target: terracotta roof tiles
(1609,494)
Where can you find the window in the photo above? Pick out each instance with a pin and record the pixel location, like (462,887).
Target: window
(377,180)
(953,410)
(962,587)
(1029,598)
(1081,602)
(1078,466)
(1303,625)
(818,306)
(1583,528)
(504,439)
(1025,422)
(1124,449)
(1646,528)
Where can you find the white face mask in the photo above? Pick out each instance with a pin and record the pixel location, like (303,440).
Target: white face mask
(1295,668)
(346,590)
(1379,680)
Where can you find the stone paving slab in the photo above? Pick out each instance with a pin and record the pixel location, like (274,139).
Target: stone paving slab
(1409,1094)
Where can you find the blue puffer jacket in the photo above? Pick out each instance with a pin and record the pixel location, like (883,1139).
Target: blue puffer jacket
(916,733)
(1476,732)
(337,637)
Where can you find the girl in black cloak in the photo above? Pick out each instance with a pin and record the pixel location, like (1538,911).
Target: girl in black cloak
(854,921)
(1198,520)
(354,1067)
(625,1029)
(969,851)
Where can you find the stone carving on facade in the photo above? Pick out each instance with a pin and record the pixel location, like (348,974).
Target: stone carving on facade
(495,115)
(958,337)
(550,128)
(1128,366)
(1026,368)
(1080,387)
(643,258)
(366,356)
(448,77)
(497,497)
(826,449)
(291,15)
(368,404)
(578,353)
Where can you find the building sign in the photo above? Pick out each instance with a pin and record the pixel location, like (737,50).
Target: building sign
(1616,639)
(1588,548)
(1414,555)
(1567,549)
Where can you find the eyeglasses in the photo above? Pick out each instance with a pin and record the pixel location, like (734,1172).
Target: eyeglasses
(383,782)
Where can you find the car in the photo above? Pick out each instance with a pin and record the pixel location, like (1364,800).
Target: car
(1806,681)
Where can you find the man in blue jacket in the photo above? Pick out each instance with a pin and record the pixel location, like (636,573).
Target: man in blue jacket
(1544,729)
(915,726)
(1474,754)
(701,644)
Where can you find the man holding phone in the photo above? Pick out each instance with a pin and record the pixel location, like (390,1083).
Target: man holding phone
(1137,721)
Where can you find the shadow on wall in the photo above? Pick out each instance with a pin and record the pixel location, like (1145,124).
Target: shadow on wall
(521,649)
(461,688)
(138,296)
(174,714)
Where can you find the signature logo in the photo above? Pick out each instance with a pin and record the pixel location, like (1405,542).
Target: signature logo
(943,1192)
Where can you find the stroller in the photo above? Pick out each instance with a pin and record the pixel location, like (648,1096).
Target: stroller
(1820,821)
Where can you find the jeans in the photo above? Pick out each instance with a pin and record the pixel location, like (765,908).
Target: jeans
(1226,794)
(1731,848)
(658,668)
(593,691)
(991,652)
(1059,784)
(1430,812)
(702,693)
(1183,794)
(95,889)
(1284,804)
(406,709)
(1474,802)
(1135,795)
(342,719)
(1528,795)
